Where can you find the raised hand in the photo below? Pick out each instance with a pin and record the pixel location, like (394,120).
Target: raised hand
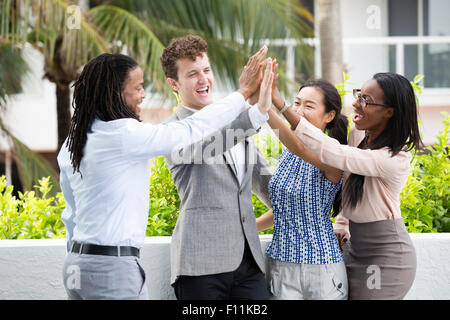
(251,76)
(255,96)
(265,91)
(277,99)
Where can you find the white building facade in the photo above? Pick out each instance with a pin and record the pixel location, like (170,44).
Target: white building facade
(408,37)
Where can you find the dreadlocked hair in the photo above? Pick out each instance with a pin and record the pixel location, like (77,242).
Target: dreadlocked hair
(98,95)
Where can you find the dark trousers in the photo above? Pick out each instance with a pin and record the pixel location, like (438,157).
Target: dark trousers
(247,282)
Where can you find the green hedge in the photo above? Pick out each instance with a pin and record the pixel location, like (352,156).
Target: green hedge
(31,215)
(425,200)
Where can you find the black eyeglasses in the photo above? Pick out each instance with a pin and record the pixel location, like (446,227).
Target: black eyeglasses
(364,102)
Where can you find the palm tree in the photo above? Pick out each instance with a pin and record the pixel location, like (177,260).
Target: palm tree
(31,165)
(330,40)
(40,24)
(12,69)
(233,29)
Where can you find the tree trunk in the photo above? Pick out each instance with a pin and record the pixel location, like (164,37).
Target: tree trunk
(63,112)
(57,72)
(329,19)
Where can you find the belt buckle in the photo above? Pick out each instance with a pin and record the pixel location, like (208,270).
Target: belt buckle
(73,246)
(80,251)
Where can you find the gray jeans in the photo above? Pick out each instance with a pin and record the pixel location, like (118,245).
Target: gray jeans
(294,281)
(97,277)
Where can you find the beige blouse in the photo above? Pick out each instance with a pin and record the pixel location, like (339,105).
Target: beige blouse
(385,176)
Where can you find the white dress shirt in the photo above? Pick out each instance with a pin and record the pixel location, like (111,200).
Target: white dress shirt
(238,155)
(108,204)
(238,151)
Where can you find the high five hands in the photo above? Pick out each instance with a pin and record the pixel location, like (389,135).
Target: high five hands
(252,81)
(271,80)
(251,76)
(265,90)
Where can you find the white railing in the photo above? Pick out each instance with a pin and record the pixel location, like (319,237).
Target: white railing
(398,42)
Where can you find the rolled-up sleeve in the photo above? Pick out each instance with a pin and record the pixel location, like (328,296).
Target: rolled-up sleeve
(256,117)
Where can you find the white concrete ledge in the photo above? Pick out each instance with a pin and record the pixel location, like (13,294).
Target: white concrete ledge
(32,269)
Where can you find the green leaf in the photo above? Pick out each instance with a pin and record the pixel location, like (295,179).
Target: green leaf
(418,78)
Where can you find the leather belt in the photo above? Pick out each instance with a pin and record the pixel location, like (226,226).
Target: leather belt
(118,251)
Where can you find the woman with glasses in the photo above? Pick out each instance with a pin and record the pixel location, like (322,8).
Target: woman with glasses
(380,257)
(305,260)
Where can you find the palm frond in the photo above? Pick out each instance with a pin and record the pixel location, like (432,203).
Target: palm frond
(46,22)
(12,69)
(127,32)
(31,166)
(233,29)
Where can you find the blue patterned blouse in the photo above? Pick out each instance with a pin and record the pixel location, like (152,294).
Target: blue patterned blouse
(302,199)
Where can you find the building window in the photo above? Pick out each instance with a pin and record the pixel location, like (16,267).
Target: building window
(422,18)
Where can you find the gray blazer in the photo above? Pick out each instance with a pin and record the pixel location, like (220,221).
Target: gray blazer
(216,212)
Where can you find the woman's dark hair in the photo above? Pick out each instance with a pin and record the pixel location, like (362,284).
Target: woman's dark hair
(98,94)
(401,132)
(337,128)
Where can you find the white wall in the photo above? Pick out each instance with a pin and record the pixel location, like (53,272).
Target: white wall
(31,115)
(364,18)
(32,269)
(359,20)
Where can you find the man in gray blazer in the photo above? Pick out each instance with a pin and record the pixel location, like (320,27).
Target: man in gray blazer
(215,250)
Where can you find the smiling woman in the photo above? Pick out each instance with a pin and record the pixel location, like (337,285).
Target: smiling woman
(376,167)
(368,114)
(303,191)
(389,119)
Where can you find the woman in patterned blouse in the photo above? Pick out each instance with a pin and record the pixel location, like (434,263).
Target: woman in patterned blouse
(380,257)
(305,259)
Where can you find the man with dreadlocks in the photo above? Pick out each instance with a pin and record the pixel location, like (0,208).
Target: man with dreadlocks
(105,172)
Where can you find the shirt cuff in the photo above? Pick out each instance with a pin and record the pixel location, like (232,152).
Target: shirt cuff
(300,129)
(256,117)
(306,131)
(240,98)
(312,137)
